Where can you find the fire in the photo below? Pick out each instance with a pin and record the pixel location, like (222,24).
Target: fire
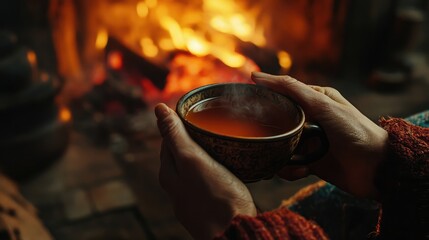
(142,9)
(210,27)
(231,59)
(208,32)
(198,46)
(166,44)
(149,49)
(189,72)
(101,40)
(211,30)
(285,60)
(175,31)
(151,3)
(156,30)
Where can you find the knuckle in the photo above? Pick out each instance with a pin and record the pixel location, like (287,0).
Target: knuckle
(287,81)
(169,127)
(332,90)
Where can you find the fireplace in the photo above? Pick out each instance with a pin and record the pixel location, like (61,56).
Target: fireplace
(169,47)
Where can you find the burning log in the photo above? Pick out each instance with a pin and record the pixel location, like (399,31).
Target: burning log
(265,58)
(136,65)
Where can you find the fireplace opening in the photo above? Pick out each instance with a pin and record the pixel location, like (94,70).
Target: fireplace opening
(148,41)
(120,58)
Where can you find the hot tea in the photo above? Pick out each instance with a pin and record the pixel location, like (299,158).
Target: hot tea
(249,129)
(248,117)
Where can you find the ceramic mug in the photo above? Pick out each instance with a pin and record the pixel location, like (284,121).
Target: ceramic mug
(253,158)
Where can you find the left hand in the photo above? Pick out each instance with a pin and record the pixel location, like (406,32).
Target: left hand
(205,195)
(358,145)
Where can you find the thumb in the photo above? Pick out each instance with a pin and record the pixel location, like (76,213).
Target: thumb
(173,131)
(169,124)
(303,94)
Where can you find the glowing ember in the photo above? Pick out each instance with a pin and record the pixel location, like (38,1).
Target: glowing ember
(31,57)
(65,114)
(98,74)
(114,60)
(188,72)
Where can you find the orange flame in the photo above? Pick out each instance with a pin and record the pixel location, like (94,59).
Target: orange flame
(285,60)
(208,30)
(101,40)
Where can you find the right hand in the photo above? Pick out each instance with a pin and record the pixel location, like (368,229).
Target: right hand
(205,195)
(357,145)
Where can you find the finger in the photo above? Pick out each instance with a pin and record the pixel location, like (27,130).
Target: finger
(167,172)
(331,93)
(166,123)
(172,129)
(300,92)
(292,173)
(181,145)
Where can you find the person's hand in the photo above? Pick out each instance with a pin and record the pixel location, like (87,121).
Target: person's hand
(205,195)
(357,145)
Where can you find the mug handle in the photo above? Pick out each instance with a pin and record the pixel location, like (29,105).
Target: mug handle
(311,130)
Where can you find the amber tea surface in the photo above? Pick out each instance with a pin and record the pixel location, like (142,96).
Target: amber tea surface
(248,117)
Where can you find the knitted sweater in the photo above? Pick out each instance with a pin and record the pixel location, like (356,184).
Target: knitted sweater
(403,182)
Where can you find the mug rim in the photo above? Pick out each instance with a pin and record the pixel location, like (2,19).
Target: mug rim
(278,137)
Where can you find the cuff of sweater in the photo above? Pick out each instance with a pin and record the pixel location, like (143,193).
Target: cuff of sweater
(278,224)
(409,149)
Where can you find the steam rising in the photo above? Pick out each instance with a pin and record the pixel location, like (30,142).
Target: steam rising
(245,104)
(242,103)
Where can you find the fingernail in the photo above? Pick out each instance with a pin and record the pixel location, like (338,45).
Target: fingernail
(161,111)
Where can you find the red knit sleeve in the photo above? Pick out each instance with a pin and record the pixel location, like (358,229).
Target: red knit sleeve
(410,148)
(403,181)
(278,224)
